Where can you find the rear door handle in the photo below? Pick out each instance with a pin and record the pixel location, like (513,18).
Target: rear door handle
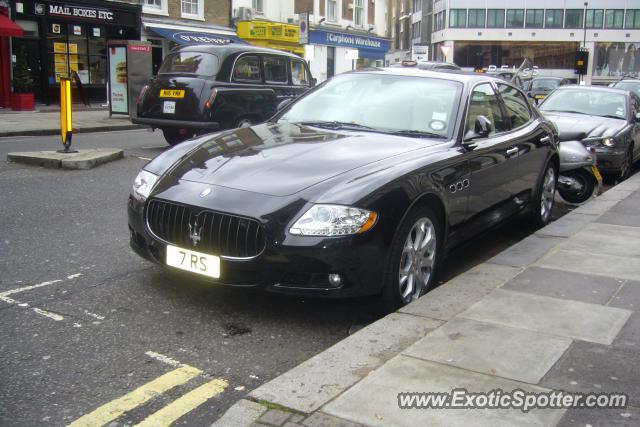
(512,151)
(545,139)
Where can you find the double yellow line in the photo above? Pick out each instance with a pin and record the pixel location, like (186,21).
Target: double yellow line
(168,414)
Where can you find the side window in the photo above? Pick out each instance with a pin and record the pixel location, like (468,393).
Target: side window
(247,68)
(517,106)
(484,102)
(275,70)
(635,105)
(298,73)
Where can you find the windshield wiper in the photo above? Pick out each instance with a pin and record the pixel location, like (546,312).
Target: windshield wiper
(337,125)
(566,111)
(612,116)
(415,133)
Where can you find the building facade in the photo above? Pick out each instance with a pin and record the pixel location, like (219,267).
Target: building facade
(496,33)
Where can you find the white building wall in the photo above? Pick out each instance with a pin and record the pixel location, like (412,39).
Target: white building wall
(273,10)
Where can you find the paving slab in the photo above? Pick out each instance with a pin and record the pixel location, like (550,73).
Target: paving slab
(615,194)
(631,220)
(458,294)
(580,417)
(526,252)
(374,401)
(241,414)
(567,226)
(83,159)
(492,349)
(565,284)
(596,207)
(566,318)
(320,419)
(606,239)
(629,336)
(589,263)
(589,367)
(313,383)
(628,296)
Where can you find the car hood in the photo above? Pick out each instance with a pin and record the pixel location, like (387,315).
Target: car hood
(573,126)
(284,159)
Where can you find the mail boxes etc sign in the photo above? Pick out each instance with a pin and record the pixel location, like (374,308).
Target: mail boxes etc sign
(348,40)
(123,15)
(80,12)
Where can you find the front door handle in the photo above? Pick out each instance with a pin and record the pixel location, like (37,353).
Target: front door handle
(512,151)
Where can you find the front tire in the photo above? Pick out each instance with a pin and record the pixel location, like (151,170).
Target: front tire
(173,136)
(587,182)
(414,259)
(544,197)
(625,169)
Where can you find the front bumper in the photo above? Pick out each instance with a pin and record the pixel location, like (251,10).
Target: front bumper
(610,160)
(176,124)
(297,265)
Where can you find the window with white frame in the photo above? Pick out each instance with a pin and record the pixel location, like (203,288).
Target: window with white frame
(155,6)
(257,5)
(332,10)
(358,13)
(192,9)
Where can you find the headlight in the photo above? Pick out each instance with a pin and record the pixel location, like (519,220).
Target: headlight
(333,220)
(608,142)
(143,184)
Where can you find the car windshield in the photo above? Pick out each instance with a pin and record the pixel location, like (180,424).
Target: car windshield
(634,86)
(586,101)
(199,63)
(544,84)
(414,106)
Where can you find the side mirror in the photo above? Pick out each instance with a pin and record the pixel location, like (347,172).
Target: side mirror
(313,81)
(637,117)
(482,129)
(284,104)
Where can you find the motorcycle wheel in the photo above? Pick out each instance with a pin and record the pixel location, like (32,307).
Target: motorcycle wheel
(587,182)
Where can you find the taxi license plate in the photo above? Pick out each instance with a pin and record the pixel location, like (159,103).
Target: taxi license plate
(195,262)
(539,96)
(596,173)
(171,93)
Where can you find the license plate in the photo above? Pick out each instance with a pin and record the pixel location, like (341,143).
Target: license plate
(195,262)
(596,173)
(169,107)
(539,96)
(171,93)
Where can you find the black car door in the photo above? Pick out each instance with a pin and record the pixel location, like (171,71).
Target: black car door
(528,136)
(492,159)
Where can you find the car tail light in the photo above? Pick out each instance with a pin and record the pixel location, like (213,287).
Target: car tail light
(212,98)
(141,94)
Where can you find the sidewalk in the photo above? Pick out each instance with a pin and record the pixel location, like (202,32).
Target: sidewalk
(559,310)
(47,122)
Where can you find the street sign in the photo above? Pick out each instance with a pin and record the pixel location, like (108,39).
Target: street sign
(445,50)
(303,33)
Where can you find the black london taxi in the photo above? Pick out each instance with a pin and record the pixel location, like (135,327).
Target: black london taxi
(204,88)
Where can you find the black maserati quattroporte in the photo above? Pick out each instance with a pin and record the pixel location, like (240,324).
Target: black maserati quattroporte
(359,187)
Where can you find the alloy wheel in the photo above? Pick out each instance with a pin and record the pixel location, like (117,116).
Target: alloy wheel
(548,193)
(417,260)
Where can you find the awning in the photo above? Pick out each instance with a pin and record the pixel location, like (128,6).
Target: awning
(194,35)
(8,28)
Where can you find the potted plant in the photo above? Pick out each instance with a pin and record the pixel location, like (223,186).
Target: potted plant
(22,96)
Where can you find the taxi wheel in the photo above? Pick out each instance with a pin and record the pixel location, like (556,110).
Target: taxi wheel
(174,137)
(244,122)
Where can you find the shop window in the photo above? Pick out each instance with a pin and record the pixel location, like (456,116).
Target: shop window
(573,18)
(535,18)
(595,18)
(547,55)
(247,68)
(632,20)
(275,69)
(457,18)
(555,18)
(298,73)
(518,112)
(515,18)
(613,18)
(192,9)
(358,13)
(476,18)
(332,10)
(495,18)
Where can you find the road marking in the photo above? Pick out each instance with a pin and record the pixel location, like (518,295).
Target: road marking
(48,314)
(144,158)
(164,359)
(73,276)
(116,408)
(185,404)
(28,288)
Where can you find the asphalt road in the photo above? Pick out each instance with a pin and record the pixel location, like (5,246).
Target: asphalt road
(84,321)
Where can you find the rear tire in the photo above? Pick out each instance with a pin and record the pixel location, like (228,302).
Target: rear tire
(544,195)
(173,136)
(414,259)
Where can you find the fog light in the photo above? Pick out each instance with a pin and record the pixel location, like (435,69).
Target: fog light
(335,280)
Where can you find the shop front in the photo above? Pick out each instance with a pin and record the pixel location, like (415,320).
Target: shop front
(274,35)
(66,39)
(333,52)
(8,29)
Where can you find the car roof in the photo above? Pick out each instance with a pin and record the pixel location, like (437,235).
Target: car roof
(594,88)
(229,49)
(627,81)
(455,75)
(548,78)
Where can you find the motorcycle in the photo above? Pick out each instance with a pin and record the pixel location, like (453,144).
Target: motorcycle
(579,176)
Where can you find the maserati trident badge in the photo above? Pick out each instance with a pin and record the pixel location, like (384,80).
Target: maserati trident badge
(194,232)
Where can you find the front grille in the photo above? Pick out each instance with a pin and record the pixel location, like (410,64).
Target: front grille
(205,231)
